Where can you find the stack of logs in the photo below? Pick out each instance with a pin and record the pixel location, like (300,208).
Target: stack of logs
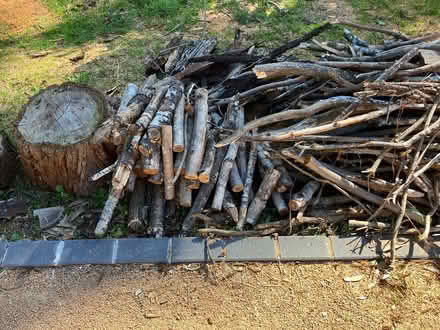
(351,137)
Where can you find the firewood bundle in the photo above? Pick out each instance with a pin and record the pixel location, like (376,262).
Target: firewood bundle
(349,138)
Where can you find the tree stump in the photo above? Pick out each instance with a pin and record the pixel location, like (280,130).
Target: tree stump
(56,138)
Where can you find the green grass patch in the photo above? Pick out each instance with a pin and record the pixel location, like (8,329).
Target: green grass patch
(412,17)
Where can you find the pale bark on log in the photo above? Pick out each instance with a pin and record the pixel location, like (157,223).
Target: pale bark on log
(301,198)
(208,159)
(235,179)
(147,116)
(264,192)
(280,204)
(229,206)
(165,113)
(204,192)
(317,167)
(223,178)
(365,66)
(388,73)
(167,158)
(152,164)
(198,140)
(290,115)
(283,69)
(179,127)
(157,213)
(135,209)
(184,193)
(247,185)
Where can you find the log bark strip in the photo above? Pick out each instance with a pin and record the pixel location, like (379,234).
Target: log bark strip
(135,210)
(179,127)
(247,186)
(263,194)
(165,113)
(157,214)
(198,140)
(167,158)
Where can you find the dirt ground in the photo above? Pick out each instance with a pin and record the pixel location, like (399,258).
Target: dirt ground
(226,296)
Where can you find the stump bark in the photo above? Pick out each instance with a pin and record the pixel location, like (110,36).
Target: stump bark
(56,138)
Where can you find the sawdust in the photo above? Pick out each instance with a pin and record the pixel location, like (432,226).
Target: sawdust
(226,296)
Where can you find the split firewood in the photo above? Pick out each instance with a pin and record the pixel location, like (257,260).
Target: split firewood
(263,194)
(301,198)
(165,113)
(135,210)
(167,158)
(198,139)
(157,213)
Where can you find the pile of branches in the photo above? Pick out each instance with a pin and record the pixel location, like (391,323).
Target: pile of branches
(349,137)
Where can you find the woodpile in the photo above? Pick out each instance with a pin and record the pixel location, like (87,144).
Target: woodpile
(349,137)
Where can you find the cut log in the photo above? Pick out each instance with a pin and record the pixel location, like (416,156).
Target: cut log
(198,140)
(263,194)
(301,198)
(165,113)
(55,138)
(137,202)
(167,158)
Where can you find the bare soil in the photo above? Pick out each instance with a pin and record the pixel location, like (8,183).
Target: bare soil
(226,296)
(19,15)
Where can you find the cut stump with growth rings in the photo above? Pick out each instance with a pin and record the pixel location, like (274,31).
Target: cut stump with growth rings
(55,138)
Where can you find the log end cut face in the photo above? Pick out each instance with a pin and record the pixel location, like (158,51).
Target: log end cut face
(62,115)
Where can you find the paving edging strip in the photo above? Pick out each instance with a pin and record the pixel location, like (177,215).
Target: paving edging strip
(28,253)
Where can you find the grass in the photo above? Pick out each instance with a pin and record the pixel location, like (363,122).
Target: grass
(411,17)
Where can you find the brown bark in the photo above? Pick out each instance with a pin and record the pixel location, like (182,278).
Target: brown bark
(198,140)
(135,210)
(167,158)
(55,138)
(264,192)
